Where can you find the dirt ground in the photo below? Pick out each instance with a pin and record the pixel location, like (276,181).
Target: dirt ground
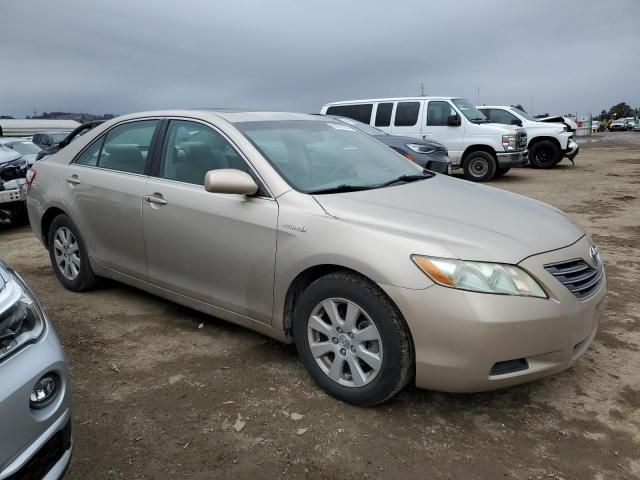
(157,388)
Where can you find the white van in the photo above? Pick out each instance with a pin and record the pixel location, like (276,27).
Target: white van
(482,149)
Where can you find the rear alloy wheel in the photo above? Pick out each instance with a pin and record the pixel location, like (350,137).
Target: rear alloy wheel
(352,339)
(479,167)
(544,154)
(69,256)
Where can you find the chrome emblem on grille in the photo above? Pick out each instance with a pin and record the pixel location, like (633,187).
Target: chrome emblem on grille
(595,255)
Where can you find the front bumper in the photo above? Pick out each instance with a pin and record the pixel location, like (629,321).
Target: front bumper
(13,196)
(461,337)
(512,159)
(572,150)
(39,440)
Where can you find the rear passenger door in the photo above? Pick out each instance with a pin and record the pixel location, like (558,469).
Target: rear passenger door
(213,247)
(102,189)
(406,118)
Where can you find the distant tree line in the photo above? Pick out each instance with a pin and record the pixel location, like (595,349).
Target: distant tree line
(78,117)
(619,110)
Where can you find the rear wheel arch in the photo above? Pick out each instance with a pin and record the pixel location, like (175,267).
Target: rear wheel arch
(47,220)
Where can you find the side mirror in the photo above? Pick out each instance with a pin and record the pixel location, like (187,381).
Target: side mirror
(454,121)
(229,180)
(517,122)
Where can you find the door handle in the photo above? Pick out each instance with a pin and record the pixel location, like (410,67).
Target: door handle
(73,180)
(155,199)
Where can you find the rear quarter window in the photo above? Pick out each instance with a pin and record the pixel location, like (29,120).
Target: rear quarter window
(360,112)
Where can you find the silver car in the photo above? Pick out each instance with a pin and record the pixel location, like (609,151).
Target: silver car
(306,230)
(35,440)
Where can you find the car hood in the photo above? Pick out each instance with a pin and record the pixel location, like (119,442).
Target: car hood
(8,155)
(540,127)
(474,222)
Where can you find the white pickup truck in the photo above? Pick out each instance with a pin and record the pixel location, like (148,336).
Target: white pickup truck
(483,150)
(13,189)
(548,143)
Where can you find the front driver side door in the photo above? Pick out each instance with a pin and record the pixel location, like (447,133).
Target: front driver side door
(435,128)
(216,248)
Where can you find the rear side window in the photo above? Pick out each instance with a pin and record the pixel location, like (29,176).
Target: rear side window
(90,156)
(407,114)
(361,112)
(438,112)
(383,114)
(127,146)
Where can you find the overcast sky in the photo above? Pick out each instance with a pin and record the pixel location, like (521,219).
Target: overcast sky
(117,56)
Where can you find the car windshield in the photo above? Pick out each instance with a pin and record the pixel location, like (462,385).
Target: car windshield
(468,110)
(363,127)
(313,156)
(524,114)
(25,148)
(58,137)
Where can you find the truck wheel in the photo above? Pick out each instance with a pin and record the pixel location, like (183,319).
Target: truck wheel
(69,256)
(544,154)
(500,171)
(352,340)
(479,167)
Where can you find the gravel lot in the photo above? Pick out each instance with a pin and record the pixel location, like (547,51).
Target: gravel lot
(158,388)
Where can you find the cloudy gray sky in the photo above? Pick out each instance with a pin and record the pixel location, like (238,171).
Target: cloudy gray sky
(128,55)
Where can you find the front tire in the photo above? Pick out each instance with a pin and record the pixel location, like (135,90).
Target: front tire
(479,167)
(544,154)
(68,255)
(352,340)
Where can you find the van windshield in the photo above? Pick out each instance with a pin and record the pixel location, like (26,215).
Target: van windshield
(468,110)
(318,156)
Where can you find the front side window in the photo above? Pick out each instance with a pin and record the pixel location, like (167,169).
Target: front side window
(438,112)
(383,114)
(361,112)
(191,149)
(126,147)
(315,155)
(502,116)
(407,114)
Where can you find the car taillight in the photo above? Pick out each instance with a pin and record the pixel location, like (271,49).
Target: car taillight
(31,176)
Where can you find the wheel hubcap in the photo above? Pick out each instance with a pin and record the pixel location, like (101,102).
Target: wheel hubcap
(344,342)
(479,168)
(67,253)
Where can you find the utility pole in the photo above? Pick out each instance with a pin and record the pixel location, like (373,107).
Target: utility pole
(478,97)
(421,85)
(531,112)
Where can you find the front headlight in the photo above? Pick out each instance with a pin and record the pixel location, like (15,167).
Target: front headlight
(509,142)
(481,277)
(416,147)
(21,322)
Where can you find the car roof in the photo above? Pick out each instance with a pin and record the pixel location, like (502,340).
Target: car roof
(230,115)
(390,99)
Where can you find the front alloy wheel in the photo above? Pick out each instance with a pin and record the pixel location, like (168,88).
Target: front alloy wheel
(345,342)
(352,339)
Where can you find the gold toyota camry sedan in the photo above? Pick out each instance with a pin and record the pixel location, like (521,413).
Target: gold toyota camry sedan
(306,230)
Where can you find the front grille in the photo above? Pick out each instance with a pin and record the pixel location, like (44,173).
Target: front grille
(45,458)
(521,140)
(578,276)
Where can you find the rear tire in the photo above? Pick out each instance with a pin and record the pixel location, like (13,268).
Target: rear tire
(361,353)
(500,171)
(68,255)
(479,166)
(544,154)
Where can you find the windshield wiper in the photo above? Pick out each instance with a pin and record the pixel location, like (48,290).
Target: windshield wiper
(407,179)
(341,189)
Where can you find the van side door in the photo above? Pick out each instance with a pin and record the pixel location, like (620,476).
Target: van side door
(435,127)
(407,117)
